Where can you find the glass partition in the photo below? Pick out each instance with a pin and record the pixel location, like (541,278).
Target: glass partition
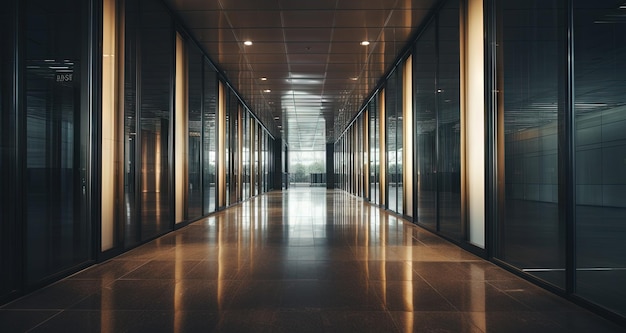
(600,150)
(55,181)
(530,235)
(194,133)
(209,137)
(147,130)
(425,119)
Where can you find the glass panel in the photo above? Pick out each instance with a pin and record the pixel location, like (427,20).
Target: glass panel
(528,228)
(55,181)
(194,166)
(425,108)
(227,148)
(156,58)
(600,120)
(245,155)
(9,278)
(209,119)
(391,112)
(374,152)
(449,122)
(234,148)
(131,224)
(148,97)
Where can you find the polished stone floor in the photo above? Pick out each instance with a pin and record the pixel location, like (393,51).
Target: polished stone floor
(303,260)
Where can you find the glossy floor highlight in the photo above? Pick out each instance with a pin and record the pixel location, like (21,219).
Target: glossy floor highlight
(302,260)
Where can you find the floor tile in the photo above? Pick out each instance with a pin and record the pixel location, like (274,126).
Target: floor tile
(303,260)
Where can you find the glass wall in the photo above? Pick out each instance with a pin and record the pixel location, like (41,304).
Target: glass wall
(209,137)
(9,276)
(55,182)
(393,131)
(600,152)
(148,109)
(529,232)
(449,121)
(374,151)
(436,95)
(425,110)
(194,133)
(245,155)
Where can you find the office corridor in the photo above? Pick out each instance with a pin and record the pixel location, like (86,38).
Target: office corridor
(302,260)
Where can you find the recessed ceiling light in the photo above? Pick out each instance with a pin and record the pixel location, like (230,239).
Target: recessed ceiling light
(267,90)
(264,79)
(365,43)
(247,43)
(354,78)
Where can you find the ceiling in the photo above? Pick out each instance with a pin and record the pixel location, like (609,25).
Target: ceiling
(306,73)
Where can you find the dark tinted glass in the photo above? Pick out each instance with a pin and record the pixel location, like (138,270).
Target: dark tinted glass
(374,139)
(149,56)
(55,179)
(194,163)
(209,137)
(393,109)
(600,122)
(425,108)
(449,122)
(8,227)
(530,48)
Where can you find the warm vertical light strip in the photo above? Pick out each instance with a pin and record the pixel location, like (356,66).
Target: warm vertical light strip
(180,132)
(475,125)
(407,138)
(109,121)
(221,147)
(383,150)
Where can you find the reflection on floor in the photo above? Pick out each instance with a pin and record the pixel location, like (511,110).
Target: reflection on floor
(303,260)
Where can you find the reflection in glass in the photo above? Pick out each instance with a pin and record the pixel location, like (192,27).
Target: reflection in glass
(424,90)
(149,60)
(393,110)
(600,122)
(529,233)
(57,229)
(209,137)
(9,279)
(245,155)
(449,122)
(374,141)
(194,141)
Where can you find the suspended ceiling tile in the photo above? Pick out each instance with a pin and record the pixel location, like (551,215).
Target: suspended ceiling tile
(254,19)
(308,18)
